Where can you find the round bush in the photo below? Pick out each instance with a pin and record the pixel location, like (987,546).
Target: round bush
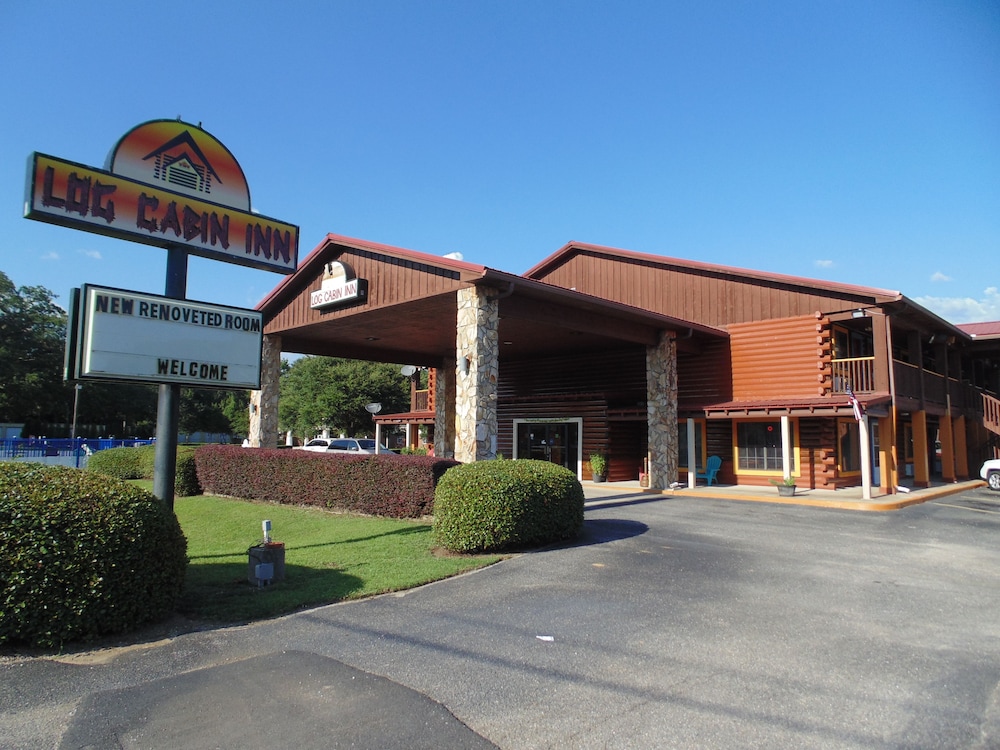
(495,505)
(122,463)
(82,555)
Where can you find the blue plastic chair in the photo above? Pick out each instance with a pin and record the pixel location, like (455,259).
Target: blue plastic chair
(711,469)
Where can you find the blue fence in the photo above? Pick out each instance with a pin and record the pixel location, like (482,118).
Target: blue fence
(61,451)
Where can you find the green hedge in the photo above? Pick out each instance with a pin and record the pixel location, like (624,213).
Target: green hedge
(139,463)
(82,555)
(496,505)
(381,485)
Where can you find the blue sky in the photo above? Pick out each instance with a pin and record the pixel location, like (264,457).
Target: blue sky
(846,141)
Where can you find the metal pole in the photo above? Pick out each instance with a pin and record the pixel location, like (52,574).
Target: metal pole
(169,402)
(76,404)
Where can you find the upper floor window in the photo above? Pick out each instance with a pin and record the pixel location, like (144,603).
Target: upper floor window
(852,344)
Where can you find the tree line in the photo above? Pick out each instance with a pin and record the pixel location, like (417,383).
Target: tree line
(316,393)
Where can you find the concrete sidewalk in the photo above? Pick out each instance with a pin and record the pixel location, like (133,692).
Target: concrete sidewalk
(844,499)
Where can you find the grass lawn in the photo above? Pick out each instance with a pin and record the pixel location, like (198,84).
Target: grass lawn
(329,557)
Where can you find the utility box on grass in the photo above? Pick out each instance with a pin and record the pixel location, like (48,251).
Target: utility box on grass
(266,564)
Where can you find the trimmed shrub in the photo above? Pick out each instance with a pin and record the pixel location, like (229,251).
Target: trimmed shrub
(120,463)
(186,474)
(82,555)
(380,485)
(140,463)
(491,506)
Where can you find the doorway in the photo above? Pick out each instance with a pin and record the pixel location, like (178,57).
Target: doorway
(555,441)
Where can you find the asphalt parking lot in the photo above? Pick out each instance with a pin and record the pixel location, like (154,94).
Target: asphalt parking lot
(674,622)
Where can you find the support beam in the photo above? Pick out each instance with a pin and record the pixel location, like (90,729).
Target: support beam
(786,446)
(692,458)
(866,458)
(921,462)
(661,411)
(264,403)
(477,373)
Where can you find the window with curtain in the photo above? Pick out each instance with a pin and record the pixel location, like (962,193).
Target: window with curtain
(759,446)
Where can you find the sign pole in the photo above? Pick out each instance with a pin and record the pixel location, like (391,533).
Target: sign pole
(169,404)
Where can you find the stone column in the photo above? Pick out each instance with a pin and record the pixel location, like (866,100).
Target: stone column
(444,409)
(477,369)
(661,410)
(264,403)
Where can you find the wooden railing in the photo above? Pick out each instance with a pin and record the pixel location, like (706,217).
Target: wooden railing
(858,372)
(991,414)
(420,401)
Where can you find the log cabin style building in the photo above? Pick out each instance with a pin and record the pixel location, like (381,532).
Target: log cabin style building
(656,363)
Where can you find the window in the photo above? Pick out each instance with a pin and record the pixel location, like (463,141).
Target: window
(848,446)
(758,446)
(850,344)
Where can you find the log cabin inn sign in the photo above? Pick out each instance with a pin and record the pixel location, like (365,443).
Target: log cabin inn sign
(340,285)
(166,183)
(121,335)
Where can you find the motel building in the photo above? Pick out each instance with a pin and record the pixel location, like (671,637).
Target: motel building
(656,362)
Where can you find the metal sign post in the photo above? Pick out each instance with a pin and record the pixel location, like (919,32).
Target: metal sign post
(168,407)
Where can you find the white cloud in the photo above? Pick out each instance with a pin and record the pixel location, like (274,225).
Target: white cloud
(824,263)
(965,309)
(938,276)
(51,255)
(92,254)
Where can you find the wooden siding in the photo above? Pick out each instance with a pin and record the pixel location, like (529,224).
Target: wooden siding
(781,358)
(391,281)
(703,296)
(581,385)
(704,377)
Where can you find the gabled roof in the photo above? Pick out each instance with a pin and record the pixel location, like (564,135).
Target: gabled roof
(572,248)
(399,323)
(904,306)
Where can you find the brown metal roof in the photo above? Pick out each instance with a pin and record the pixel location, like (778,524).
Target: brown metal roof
(409,316)
(787,294)
(982,330)
(574,247)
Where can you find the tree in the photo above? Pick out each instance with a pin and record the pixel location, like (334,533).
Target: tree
(32,336)
(236,407)
(328,392)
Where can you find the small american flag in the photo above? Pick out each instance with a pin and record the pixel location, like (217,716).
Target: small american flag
(855,404)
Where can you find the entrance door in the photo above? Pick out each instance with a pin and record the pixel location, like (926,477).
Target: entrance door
(556,442)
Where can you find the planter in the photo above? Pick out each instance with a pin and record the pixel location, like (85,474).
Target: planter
(598,478)
(786,490)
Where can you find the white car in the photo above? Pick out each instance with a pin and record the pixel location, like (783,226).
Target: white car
(343,445)
(991,473)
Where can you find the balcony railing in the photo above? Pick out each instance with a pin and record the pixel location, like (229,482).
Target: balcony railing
(858,372)
(421,401)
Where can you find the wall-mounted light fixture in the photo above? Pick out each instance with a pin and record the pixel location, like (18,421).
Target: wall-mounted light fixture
(463,364)
(858,314)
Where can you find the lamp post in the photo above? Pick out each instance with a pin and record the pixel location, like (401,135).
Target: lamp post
(373,409)
(76,403)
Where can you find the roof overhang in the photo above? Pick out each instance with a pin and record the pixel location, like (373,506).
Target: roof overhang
(875,404)
(410,312)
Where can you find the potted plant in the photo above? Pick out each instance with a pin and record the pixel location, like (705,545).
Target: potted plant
(786,486)
(599,466)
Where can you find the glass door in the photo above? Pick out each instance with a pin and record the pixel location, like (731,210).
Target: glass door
(556,442)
